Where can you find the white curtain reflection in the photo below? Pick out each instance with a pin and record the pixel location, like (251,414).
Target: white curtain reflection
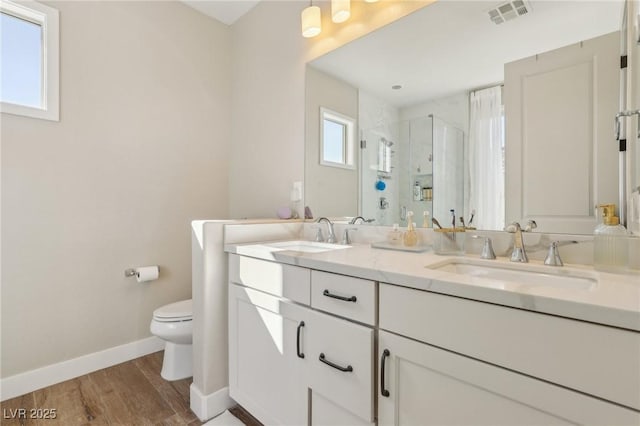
(486,158)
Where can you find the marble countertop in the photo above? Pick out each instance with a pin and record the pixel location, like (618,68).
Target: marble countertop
(614,300)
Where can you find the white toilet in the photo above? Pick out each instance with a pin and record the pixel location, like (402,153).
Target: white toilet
(173,323)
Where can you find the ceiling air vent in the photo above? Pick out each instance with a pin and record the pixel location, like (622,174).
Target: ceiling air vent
(508,11)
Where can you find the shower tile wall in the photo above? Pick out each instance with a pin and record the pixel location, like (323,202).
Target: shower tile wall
(378,119)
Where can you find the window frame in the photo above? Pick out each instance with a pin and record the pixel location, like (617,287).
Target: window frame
(49,20)
(349,138)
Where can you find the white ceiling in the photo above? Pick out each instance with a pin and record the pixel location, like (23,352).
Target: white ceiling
(226,11)
(451,46)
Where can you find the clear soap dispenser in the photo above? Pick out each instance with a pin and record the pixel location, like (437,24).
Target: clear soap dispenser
(610,245)
(395,236)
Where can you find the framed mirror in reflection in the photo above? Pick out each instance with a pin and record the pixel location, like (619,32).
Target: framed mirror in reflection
(501,122)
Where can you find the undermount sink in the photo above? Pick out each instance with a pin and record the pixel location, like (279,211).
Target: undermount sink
(522,274)
(306,246)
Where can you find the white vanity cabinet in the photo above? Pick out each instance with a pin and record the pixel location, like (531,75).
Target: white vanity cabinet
(291,364)
(461,362)
(267,373)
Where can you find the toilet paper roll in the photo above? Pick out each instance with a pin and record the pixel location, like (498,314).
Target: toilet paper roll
(147,273)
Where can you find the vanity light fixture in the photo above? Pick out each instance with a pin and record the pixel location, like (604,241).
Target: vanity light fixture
(370,1)
(311,21)
(340,10)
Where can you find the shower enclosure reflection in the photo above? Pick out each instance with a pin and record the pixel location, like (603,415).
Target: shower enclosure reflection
(416,164)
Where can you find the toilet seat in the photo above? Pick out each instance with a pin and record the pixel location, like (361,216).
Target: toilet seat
(174,312)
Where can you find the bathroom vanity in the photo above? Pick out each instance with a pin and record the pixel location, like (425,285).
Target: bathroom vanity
(359,335)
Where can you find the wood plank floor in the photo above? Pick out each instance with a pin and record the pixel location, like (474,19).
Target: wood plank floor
(132,393)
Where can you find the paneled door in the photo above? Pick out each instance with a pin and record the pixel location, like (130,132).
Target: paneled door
(560,149)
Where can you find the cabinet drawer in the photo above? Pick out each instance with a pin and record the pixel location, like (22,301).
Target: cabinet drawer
(594,359)
(327,413)
(290,282)
(341,363)
(348,297)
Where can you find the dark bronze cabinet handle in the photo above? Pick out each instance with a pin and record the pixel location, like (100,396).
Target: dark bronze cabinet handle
(385,354)
(300,354)
(346,369)
(335,296)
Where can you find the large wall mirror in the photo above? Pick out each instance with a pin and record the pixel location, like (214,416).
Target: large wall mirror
(465,106)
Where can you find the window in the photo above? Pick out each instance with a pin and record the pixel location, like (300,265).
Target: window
(336,139)
(29,59)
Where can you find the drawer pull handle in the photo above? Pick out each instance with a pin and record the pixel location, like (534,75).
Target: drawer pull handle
(385,354)
(335,296)
(300,354)
(346,369)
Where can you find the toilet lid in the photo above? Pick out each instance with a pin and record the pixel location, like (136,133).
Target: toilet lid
(174,311)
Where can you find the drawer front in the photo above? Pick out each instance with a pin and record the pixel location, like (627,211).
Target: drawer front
(290,282)
(341,363)
(326,413)
(348,297)
(594,359)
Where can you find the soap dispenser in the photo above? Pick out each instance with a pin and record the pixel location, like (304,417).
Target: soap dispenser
(395,236)
(410,237)
(610,246)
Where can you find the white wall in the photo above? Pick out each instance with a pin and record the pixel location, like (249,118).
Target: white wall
(141,149)
(330,191)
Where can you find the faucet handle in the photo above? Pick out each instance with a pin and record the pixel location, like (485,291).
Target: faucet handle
(553,256)
(319,236)
(346,238)
(487,248)
(531,225)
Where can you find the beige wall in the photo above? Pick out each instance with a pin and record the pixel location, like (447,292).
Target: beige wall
(141,149)
(330,191)
(269,56)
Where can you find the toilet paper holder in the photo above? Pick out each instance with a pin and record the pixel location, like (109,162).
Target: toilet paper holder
(131,272)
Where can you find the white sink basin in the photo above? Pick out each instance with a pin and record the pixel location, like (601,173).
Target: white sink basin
(306,246)
(523,274)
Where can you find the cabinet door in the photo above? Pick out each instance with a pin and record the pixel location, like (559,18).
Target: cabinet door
(561,157)
(423,385)
(267,342)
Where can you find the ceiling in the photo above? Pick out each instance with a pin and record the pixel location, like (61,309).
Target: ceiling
(452,46)
(226,11)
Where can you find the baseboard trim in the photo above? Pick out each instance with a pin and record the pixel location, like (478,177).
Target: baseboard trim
(209,406)
(32,380)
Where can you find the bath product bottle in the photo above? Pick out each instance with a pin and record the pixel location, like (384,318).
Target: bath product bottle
(417,192)
(410,236)
(394,237)
(426,219)
(610,244)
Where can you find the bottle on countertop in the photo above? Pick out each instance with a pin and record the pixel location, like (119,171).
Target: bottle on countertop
(417,192)
(610,244)
(394,237)
(426,219)
(410,237)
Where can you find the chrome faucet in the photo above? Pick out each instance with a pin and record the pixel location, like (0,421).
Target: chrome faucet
(332,236)
(553,256)
(346,237)
(357,218)
(518,254)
